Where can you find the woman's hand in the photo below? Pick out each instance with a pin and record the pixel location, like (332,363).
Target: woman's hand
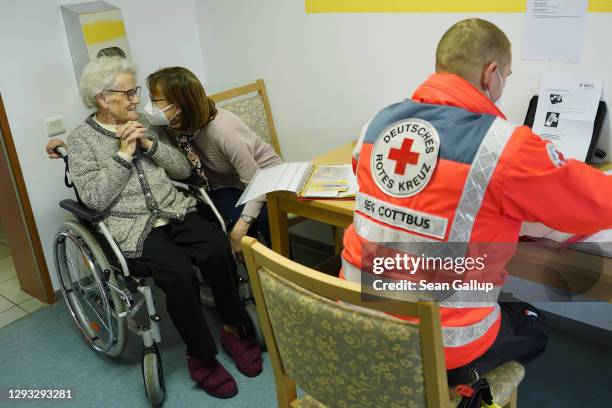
(127,146)
(129,135)
(238,232)
(53,144)
(145,143)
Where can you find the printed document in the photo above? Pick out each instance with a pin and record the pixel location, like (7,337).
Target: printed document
(566,111)
(554,30)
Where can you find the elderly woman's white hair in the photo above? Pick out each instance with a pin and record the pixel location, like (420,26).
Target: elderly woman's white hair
(100,75)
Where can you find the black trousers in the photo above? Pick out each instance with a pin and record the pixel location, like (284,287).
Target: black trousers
(522,337)
(225,200)
(169,254)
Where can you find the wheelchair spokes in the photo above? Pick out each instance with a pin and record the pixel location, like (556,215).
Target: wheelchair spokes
(87,295)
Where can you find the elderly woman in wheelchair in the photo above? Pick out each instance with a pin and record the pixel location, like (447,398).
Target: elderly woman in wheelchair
(121,170)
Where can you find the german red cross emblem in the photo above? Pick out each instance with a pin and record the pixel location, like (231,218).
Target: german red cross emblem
(405,156)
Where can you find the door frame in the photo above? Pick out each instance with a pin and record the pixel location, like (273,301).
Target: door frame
(21,231)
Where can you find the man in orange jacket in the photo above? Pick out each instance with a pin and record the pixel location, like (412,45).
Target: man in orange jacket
(447,166)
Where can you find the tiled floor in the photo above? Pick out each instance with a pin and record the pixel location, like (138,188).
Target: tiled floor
(14,303)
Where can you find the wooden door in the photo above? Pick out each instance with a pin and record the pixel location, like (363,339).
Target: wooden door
(18,220)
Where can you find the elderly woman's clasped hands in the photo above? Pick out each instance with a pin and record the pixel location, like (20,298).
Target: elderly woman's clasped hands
(132,134)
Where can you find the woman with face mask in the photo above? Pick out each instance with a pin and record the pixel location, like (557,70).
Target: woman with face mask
(123,168)
(223,151)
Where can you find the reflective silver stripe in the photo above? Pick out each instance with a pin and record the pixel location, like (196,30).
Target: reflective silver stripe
(351,272)
(478,179)
(404,241)
(402,217)
(472,299)
(452,336)
(373,232)
(359,144)
(463,335)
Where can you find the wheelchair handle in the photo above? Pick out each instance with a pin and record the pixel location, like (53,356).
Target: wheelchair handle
(61,150)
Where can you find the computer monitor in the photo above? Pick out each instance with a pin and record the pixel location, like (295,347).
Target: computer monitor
(594,154)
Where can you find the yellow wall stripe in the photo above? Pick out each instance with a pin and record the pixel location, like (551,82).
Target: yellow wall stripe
(102,31)
(432,6)
(600,6)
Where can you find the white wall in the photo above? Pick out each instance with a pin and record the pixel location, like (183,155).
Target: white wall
(327,74)
(37,81)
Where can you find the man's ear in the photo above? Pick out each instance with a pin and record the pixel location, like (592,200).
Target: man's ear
(487,74)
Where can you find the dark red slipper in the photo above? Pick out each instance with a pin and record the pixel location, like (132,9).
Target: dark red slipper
(212,377)
(244,351)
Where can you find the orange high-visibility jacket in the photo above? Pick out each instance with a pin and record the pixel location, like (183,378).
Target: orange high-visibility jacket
(488,176)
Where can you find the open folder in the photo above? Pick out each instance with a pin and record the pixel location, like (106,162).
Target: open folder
(306,179)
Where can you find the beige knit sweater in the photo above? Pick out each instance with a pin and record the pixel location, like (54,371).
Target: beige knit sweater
(231,153)
(134,194)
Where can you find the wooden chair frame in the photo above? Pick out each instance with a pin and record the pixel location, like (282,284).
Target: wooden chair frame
(256,87)
(259,256)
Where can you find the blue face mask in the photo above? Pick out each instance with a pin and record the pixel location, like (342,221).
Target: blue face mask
(498,101)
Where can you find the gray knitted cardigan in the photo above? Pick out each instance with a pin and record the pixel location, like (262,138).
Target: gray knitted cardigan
(132,195)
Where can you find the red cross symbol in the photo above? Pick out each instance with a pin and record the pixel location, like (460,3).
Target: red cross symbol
(403,156)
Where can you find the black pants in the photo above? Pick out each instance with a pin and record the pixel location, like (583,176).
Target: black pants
(522,337)
(169,254)
(225,200)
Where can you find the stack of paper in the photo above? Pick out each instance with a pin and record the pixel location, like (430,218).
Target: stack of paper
(330,181)
(303,178)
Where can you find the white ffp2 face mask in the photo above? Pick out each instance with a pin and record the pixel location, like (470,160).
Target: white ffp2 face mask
(501,81)
(155,115)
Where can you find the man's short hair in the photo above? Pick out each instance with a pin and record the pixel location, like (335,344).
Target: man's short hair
(469,45)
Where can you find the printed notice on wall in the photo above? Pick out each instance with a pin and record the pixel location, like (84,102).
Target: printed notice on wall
(555,30)
(566,111)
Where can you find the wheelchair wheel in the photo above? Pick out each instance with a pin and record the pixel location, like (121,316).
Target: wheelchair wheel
(153,376)
(251,311)
(86,278)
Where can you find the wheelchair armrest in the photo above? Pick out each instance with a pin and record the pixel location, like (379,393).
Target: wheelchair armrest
(206,206)
(190,181)
(82,212)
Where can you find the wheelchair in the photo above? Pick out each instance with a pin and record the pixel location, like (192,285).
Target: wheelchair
(104,299)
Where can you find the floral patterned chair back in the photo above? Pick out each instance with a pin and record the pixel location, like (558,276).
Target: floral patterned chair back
(250,104)
(341,356)
(344,355)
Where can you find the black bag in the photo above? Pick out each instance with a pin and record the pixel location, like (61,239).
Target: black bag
(528,322)
(480,397)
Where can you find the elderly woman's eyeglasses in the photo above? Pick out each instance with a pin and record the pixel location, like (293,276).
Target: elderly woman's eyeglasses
(129,94)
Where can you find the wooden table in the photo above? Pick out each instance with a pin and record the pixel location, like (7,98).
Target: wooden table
(333,212)
(573,271)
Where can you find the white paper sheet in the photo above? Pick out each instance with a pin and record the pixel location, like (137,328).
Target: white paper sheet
(285,176)
(599,243)
(555,30)
(538,230)
(566,112)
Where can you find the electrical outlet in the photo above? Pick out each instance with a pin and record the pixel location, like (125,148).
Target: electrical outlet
(54,126)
